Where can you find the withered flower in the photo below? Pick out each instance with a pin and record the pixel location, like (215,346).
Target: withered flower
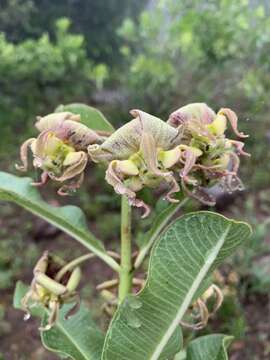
(52,286)
(138,155)
(60,150)
(210,157)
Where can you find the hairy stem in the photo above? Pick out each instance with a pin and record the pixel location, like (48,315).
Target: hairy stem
(126,270)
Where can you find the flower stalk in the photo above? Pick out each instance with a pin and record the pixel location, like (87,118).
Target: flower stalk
(126,269)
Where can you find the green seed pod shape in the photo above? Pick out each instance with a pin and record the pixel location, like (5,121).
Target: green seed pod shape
(74,279)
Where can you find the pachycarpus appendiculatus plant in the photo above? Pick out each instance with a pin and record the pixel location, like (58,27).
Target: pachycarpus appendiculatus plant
(184,157)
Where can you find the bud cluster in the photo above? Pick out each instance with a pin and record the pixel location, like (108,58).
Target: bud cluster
(52,286)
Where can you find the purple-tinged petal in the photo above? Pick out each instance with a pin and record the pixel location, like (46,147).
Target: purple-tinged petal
(200,194)
(173,190)
(43,180)
(233,119)
(239,147)
(67,189)
(24,153)
(148,148)
(53,120)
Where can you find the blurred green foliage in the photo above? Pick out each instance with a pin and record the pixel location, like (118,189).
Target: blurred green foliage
(37,74)
(96,20)
(11,244)
(198,50)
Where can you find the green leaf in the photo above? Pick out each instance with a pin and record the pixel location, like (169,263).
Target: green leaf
(185,255)
(70,219)
(210,347)
(20,290)
(78,337)
(90,116)
(159,223)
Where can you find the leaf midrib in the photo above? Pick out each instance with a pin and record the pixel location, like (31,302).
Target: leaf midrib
(188,298)
(62,329)
(62,224)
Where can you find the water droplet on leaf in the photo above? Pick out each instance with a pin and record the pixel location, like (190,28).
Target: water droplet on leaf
(133,321)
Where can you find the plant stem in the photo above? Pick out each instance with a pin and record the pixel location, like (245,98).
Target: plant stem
(126,270)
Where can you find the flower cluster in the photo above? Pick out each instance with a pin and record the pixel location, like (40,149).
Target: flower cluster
(53,285)
(188,153)
(60,150)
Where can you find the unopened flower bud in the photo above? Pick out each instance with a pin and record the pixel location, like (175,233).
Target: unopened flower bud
(53,285)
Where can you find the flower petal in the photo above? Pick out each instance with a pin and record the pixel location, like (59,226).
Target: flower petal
(113,177)
(74,169)
(187,113)
(53,120)
(200,194)
(148,148)
(233,119)
(23,154)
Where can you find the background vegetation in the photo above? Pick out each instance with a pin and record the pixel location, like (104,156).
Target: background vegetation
(155,55)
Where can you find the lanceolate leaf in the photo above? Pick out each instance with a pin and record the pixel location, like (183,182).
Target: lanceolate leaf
(161,220)
(90,116)
(210,347)
(70,219)
(185,255)
(78,337)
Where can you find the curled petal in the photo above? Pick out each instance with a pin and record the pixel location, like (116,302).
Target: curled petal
(41,145)
(233,119)
(43,180)
(98,153)
(219,298)
(53,120)
(239,147)
(54,313)
(149,151)
(190,155)
(25,301)
(113,177)
(173,190)
(203,316)
(74,169)
(23,154)
(141,204)
(200,194)
(66,189)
